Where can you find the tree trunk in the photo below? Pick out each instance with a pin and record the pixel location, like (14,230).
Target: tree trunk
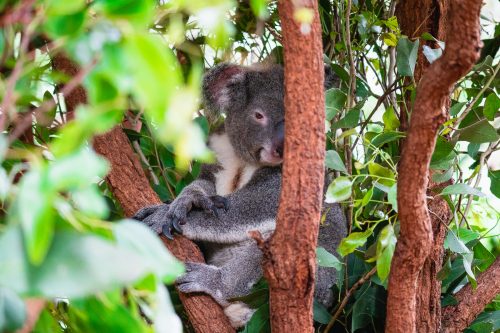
(131,188)
(416,17)
(416,236)
(289,263)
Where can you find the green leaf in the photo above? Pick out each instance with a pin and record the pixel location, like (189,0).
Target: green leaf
(12,311)
(392,197)
(443,176)
(63,7)
(392,23)
(386,243)
(38,221)
(427,36)
(320,313)
(259,8)
(442,149)
(491,106)
(65,25)
(339,190)
(385,137)
(79,265)
(406,56)
(461,189)
(453,243)
(391,121)
(353,241)
(495,182)
(142,241)
(77,170)
(335,100)
(350,120)
(389,39)
(326,259)
(377,170)
(456,108)
(334,162)
(15,267)
(259,323)
(91,202)
(479,132)
(156,74)
(138,12)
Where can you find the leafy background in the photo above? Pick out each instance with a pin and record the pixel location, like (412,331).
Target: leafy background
(142,62)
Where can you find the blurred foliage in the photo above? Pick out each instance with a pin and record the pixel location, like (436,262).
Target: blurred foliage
(142,62)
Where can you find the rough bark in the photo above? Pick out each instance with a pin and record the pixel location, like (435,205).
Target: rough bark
(429,113)
(289,263)
(131,188)
(416,17)
(471,302)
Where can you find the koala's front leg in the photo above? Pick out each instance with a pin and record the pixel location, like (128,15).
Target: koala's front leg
(203,278)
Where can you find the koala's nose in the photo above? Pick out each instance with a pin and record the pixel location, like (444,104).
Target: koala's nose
(279,139)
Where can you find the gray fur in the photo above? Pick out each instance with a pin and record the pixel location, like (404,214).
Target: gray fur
(233,259)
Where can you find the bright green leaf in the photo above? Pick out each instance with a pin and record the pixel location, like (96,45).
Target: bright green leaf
(353,241)
(391,121)
(491,106)
(386,243)
(376,170)
(339,190)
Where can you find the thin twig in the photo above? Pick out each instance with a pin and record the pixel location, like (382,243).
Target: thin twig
(479,94)
(9,97)
(379,102)
(349,293)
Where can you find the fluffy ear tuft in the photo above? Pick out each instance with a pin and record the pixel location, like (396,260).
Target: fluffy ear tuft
(221,86)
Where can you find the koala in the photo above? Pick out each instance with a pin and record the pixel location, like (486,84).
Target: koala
(240,192)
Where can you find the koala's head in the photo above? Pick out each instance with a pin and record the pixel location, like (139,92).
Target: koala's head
(253,100)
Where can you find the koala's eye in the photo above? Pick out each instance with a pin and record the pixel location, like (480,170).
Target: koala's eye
(258,115)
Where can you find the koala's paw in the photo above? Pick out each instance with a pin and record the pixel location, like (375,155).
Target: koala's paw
(204,279)
(152,216)
(179,209)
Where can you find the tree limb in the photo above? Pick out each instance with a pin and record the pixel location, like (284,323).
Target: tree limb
(471,302)
(429,113)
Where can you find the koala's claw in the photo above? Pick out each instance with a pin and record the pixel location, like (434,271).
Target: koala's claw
(171,226)
(165,230)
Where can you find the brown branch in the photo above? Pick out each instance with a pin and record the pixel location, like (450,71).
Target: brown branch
(416,237)
(131,188)
(289,256)
(471,302)
(348,295)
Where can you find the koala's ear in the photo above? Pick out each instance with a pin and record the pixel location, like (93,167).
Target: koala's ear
(223,85)
(331,79)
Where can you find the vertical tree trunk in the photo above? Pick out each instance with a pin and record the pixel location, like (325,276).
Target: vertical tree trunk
(131,188)
(289,263)
(416,17)
(416,236)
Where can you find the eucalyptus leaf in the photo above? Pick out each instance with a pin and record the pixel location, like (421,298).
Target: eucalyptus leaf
(326,259)
(334,162)
(406,56)
(479,132)
(461,188)
(339,190)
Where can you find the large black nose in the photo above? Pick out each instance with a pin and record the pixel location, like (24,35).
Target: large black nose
(279,139)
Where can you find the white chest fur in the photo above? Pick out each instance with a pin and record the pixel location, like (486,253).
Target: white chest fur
(234,173)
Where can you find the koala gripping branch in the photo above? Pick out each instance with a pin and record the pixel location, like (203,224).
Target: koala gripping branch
(289,263)
(131,188)
(416,238)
